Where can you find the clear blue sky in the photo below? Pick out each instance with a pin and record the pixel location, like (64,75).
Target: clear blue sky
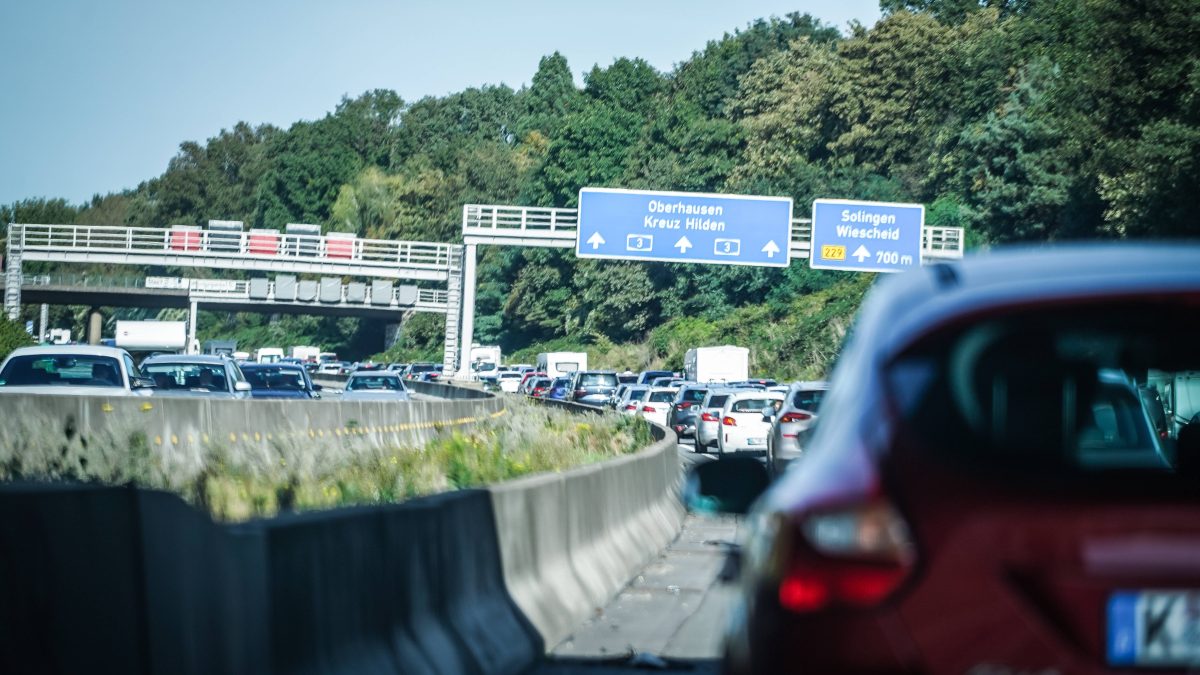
(97,96)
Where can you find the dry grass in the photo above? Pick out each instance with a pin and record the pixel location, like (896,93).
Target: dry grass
(242,482)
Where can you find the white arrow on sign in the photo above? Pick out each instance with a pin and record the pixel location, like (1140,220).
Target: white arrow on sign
(771,249)
(595,240)
(683,244)
(861,253)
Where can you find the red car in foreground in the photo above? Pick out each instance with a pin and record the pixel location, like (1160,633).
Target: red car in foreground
(985,493)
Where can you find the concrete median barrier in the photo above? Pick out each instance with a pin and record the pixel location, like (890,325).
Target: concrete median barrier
(570,541)
(179,427)
(122,580)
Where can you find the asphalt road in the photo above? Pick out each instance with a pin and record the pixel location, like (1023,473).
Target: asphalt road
(669,616)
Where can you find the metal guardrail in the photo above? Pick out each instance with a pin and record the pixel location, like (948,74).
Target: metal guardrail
(192,242)
(491,223)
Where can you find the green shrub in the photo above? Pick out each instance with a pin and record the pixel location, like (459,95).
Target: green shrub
(12,336)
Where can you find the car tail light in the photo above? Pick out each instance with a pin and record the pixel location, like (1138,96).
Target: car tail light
(798,416)
(709,417)
(729,421)
(864,553)
(647,408)
(683,406)
(581,392)
(631,407)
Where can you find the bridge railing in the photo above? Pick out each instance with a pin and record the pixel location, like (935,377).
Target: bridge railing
(187,241)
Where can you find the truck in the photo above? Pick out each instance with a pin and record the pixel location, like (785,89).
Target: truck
(218,347)
(306,354)
(485,361)
(560,364)
(268,355)
(726,363)
(151,336)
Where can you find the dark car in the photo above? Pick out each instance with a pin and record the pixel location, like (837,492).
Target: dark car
(648,377)
(560,389)
(985,491)
(682,417)
(593,387)
(279,380)
(422,371)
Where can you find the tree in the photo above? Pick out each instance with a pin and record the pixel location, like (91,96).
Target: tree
(1015,169)
(216,180)
(12,336)
(551,96)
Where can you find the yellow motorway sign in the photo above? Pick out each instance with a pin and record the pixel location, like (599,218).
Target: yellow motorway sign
(833,252)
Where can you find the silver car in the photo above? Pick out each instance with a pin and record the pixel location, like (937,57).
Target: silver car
(708,420)
(196,376)
(375,385)
(794,423)
(72,369)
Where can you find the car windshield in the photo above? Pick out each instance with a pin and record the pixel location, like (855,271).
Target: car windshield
(279,379)
(662,397)
(375,383)
(598,380)
(752,404)
(67,370)
(808,399)
(188,376)
(1056,390)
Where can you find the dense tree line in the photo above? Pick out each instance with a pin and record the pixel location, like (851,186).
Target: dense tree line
(1021,120)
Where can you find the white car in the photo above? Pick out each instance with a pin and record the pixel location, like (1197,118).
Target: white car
(708,421)
(73,369)
(631,400)
(657,404)
(742,426)
(509,381)
(329,368)
(375,385)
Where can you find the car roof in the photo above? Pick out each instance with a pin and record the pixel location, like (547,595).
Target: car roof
(287,366)
(816,385)
(912,303)
(186,358)
(753,393)
(372,373)
(92,350)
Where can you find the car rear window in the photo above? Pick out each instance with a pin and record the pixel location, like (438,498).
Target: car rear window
(693,395)
(718,401)
(422,368)
(598,380)
(278,379)
(1071,390)
(65,370)
(751,404)
(808,399)
(662,397)
(375,383)
(638,394)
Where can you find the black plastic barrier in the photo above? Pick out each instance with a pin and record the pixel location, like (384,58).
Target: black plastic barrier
(119,580)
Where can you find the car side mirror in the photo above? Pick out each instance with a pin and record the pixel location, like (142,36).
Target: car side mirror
(317,387)
(242,386)
(142,383)
(729,486)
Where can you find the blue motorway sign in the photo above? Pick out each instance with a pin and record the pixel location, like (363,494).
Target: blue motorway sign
(865,236)
(684,227)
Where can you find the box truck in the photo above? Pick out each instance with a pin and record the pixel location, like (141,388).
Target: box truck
(152,336)
(717,364)
(558,364)
(306,354)
(485,361)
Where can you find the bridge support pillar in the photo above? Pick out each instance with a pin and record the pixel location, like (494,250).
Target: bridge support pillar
(12,273)
(191,341)
(95,326)
(44,318)
(468,312)
(391,334)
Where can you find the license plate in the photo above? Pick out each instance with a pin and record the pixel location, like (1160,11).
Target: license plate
(756,441)
(1154,628)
